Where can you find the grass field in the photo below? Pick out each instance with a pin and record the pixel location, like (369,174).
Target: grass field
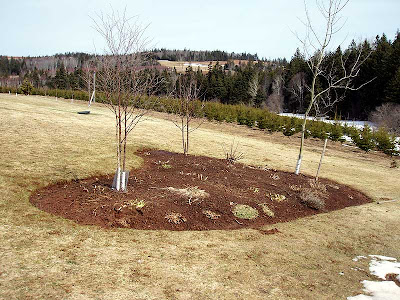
(181,66)
(45,257)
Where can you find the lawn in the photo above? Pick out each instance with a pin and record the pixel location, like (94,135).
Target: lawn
(44,141)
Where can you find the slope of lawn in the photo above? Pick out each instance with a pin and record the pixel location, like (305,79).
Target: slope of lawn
(45,141)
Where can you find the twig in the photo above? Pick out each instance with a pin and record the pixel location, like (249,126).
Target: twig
(238,222)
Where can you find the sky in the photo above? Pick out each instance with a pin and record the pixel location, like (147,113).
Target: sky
(265,27)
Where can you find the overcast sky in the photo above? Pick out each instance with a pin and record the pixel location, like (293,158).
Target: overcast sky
(265,27)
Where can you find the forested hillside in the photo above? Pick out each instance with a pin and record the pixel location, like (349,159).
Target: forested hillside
(277,85)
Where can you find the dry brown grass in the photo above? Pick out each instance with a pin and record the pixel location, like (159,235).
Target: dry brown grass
(192,192)
(210,214)
(267,210)
(46,257)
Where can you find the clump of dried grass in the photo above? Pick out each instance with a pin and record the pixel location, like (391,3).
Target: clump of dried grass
(174,217)
(210,214)
(295,187)
(317,185)
(267,210)
(192,192)
(312,198)
(276,197)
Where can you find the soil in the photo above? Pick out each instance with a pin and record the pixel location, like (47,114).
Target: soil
(216,187)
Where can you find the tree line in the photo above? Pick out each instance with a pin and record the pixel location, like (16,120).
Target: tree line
(191,55)
(277,85)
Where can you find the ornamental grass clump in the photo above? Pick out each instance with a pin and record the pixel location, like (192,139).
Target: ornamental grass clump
(266,210)
(174,217)
(243,211)
(312,198)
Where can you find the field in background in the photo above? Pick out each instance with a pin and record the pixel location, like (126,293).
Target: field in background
(43,256)
(181,66)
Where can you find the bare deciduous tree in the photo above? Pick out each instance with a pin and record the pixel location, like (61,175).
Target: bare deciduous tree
(253,87)
(297,89)
(188,107)
(123,83)
(275,100)
(316,47)
(387,115)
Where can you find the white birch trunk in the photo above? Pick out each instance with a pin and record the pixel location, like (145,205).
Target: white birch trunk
(118,181)
(123,180)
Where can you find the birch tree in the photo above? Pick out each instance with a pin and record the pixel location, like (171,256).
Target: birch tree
(338,75)
(123,81)
(188,107)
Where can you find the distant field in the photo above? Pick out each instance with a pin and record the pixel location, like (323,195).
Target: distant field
(45,141)
(203,65)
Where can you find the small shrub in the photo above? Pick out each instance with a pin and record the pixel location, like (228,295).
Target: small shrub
(242,116)
(336,133)
(251,117)
(288,131)
(262,122)
(385,142)
(174,217)
(364,139)
(243,211)
(267,210)
(312,198)
(26,87)
(318,130)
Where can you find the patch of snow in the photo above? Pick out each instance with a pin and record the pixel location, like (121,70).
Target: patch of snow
(380,266)
(378,290)
(397,143)
(195,65)
(356,124)
(346,138)
(381,257)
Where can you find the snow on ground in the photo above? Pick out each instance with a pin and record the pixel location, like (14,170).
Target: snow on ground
(380,266)
(356,124)
(195,65)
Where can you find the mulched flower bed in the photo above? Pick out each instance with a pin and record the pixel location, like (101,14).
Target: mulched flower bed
(176,192)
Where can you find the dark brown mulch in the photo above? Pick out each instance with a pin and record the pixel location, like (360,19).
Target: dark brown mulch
(92,201)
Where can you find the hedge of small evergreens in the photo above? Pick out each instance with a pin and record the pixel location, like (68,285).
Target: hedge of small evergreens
(365,139)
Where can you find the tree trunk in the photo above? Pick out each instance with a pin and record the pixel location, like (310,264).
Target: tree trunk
(320,161)
(187,136)
(303,128)
(183,136)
